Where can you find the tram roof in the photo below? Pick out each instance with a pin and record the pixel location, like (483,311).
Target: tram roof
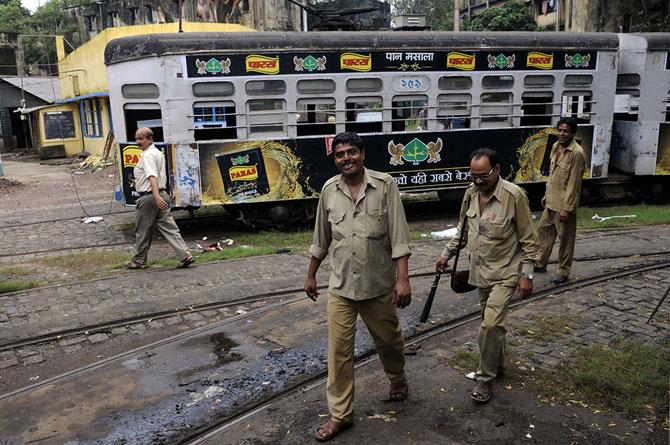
(657,40)
(150,45)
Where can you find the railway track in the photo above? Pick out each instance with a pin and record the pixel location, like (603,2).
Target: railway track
(212,432)
(209,430)
(180,311)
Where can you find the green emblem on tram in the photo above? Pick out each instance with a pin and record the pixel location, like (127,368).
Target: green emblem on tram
(309,63)
(501,61)
(415,152)
(577,61)
(213,66)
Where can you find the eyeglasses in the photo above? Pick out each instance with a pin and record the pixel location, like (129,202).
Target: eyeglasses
(484,176)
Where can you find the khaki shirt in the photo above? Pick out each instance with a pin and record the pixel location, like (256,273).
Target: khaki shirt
(364,237)
(151,163)
(565,179)
(501,238)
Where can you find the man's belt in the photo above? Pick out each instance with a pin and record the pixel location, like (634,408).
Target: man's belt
(148,193)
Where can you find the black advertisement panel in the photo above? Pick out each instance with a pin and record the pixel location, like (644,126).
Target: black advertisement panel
(272,170)
(307,63)
(130,156)
(59,125)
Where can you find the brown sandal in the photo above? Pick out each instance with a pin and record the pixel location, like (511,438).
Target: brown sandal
(331,429)
(399,391)
(482,392)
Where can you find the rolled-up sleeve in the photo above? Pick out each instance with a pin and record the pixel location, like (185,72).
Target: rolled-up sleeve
(322,231)
(398,228)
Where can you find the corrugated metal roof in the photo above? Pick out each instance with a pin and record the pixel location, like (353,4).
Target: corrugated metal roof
(40,86)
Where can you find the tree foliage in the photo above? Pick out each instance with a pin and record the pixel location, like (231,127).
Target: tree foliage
(512,16)
(439,13)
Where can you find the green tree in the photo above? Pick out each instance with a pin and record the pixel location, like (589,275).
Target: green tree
(439,13)
(512,16)
(13,16)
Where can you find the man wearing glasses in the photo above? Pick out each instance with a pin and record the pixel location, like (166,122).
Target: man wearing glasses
(503,248)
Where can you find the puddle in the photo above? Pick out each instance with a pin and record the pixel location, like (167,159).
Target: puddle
(222,349)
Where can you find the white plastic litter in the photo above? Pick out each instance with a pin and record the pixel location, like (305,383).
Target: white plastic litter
(449,233)
(91,219)
(605,218)
(471,375)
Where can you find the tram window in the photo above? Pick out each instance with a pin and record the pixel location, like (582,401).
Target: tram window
(315,116)
(143,115)
(626,105)
(536,109)
(454,83)
(263,87)
(667,107)
(363,114)
(409,113)
(316,86)
(140,91)
(453,111)
(538,80)
(213,89)
(368,84)
(266,115)
(214,120)
(498,81)
(578,80)
(577,105)
(627,80)
(496,110)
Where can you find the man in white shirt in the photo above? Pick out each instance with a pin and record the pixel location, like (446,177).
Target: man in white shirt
(153,205)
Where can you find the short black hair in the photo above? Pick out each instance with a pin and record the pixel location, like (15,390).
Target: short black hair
(570,121)
(347,137)
(489,153)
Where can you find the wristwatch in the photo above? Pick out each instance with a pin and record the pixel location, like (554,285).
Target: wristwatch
(528,275)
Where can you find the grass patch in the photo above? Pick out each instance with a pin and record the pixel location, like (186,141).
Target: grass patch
(85,260)
(14,271)
(628,377)
(464,360)
(16,285)
(548,328)
(295,239)
(225,254)
(644,215)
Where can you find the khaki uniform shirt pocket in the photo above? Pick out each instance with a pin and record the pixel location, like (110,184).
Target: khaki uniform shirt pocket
(377,224)
(336,220)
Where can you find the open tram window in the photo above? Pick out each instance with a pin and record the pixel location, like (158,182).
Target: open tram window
(315,116)
(143,115)
(409,113)
(453,111)
(214,120)
(266,115)
(578,105)
(537,108)
(364,114)
(667,107)
(496,110)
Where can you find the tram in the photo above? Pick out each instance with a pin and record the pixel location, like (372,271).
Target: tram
(246,119)
(641,138)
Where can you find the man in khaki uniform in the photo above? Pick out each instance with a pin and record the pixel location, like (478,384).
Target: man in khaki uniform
(152,208)
(561,199)
(503,249)
(361,220)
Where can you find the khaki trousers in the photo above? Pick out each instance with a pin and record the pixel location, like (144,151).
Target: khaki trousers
(491,339)
(148,215)
(379,315)
(550,226)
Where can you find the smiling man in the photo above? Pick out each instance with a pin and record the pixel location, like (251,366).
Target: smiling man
(561,199)
(361,220)
(503,249)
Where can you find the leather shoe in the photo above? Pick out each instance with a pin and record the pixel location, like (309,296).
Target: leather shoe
(558,279)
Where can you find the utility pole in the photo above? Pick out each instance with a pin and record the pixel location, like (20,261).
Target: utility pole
(558,15)
(457,15)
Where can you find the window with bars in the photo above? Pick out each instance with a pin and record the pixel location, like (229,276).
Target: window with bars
(91,118)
